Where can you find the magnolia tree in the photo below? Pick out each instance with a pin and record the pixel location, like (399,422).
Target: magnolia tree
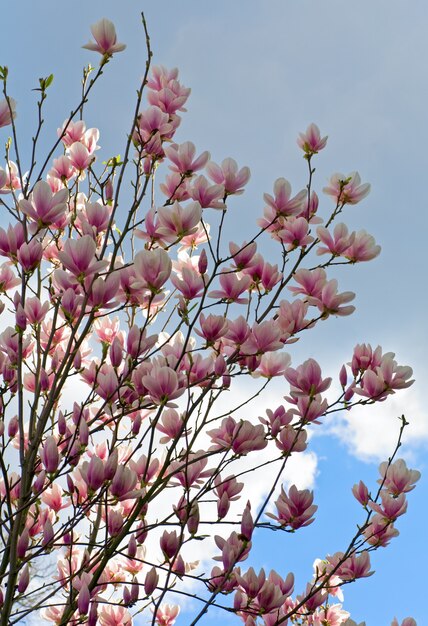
(125,319)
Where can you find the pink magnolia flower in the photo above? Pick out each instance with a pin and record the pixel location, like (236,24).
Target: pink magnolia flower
(329,302)
(232,288)
(12,181)
(103,290)
(212,327)
(54,499)
(355,566)
(273,364)
(71,132)
(165,91)
(311,281)
(49,454)
(167,614)
(7,111)
(171,425)
(163,384)
(183,158)
(399,479)
(306,379)
(264,337)
(241,437)
(294,509)
(347,189)
(227,490)
(3,178)
(391,507)
(407,621)
(62,169)
(228,175)
(191,472)
(30,255)
(361,493)
(152,120)
(289,440)
(175,187)
(152,267)
(380,531)
(282,204)
(79,257)
(111,615)
(208,196)
(336,244)
(365,357)
(123,483)
(94,219)
(385,379)
(106,328)
(332,615)
(44,207)
(161,76)
(8,280)
(201,235)
(80,157)
(234,549)
(311,141)
(170,99)
(169,544)
(105,42)
(177,221)
(243,255)
(276,419)
(35,311)
(362,248)
(291,318)
(294,233)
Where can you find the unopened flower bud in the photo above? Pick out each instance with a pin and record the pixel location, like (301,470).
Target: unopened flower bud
(247,524)
(93,614)
(77,361)
(48,533)
(49,455)
(20,317)
(13,427)
(151,581)
(111,465)
(83,600)
(62,424)
(193,521)
(132,547)
(203,262)
(39,482)
(127,601)
(141,534)
(361,493)
(116,352)
(343,376)
(135,590)
(136,424)
(24,579)
(22,545)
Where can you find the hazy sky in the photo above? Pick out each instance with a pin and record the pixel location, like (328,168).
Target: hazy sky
(260,72)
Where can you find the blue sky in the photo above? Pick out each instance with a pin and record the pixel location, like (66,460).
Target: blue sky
(260,72)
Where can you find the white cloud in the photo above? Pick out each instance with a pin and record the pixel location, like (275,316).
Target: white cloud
(371,432)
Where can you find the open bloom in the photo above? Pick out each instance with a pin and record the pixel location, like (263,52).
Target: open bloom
(311,141)
(45,207)
(347,189)
(105,42)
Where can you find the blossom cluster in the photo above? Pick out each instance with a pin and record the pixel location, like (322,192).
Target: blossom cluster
(122,329)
